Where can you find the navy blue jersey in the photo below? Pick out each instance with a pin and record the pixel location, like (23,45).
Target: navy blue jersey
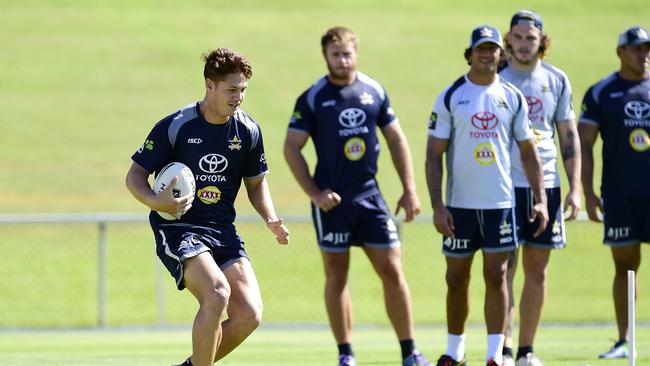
(342,122)
(621,110)
(219,155)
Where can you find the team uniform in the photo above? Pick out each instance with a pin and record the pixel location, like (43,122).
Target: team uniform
(548,94)
(481,122)
(621,110)
(342,122)
(219,155)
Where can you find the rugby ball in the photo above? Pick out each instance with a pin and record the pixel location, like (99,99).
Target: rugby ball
(184,185)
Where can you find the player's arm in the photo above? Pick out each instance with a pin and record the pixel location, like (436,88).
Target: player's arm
(570,149)
(533,169)
(399,152)
(442,218)
(137,182)
(294,142)
(260,197)
(588,133)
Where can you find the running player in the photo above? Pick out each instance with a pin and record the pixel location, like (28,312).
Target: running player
(202,250)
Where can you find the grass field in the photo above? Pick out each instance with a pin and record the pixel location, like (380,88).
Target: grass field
(557,345)
(82,83)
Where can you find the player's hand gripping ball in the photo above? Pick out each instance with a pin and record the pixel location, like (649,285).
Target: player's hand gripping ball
(184,185)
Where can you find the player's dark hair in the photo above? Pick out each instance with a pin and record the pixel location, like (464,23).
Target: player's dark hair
(223,61)
(544,44)
(338,35)
(468,54)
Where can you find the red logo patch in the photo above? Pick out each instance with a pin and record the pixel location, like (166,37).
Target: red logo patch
(484,120)
(534,105)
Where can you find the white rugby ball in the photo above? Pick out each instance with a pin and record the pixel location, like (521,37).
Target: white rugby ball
(184,185)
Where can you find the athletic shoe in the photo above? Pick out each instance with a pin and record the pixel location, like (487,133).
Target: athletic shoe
(529,360)
(508,361)
(187,362)
(415,359)
(492,362)
(619,350)
(347,360)
(445,360)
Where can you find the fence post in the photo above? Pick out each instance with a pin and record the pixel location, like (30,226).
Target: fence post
(160,292)
(101,276)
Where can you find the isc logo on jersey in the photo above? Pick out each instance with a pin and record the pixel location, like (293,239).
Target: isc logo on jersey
(485,153)
(354,149)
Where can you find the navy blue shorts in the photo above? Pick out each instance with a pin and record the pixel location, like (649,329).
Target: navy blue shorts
(491,230)
(364,221)
(176,242)
(627,221)
(554,235)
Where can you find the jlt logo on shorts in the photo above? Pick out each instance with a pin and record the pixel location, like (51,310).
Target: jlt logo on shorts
(455,243)
(337,238)
(616,233)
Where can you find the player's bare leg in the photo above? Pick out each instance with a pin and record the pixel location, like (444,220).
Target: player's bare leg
(510,276)
(457,278)
(337,296)
(397,297)
(626,258)
(207,283)
(496,292)
(244,308)
(533,295)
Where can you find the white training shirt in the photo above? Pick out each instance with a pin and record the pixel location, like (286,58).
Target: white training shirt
(481,123)
(548,94)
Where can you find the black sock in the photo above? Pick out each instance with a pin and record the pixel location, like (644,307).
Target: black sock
(345,349)
(507,351)
(408,347)
(187,362)
(620,342)
(522,351)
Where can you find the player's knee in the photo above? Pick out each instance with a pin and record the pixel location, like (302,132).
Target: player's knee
(536,276)
(495,276)
(216,300)
(457,279)
(336,280)
(251,318)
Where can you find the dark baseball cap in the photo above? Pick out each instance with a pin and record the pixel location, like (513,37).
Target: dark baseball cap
(485,34)
(527,17)
(633,36)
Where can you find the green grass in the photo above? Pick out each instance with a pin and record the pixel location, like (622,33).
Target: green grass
(557,346)
(84,81)
(56,285)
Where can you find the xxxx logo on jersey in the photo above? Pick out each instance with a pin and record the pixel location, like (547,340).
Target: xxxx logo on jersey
(639,140)
(354,149)
(209,195)
(485,153)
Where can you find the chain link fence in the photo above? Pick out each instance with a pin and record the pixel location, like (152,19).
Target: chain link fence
(100,270)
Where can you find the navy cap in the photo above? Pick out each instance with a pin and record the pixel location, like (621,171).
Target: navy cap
(527,17)
(633,36)
(484,34)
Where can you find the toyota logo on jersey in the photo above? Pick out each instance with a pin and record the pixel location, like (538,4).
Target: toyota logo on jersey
(637,109)
(213,163)
(352,117)
(485,120)
(534,104)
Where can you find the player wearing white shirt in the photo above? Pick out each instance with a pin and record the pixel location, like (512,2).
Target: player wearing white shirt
(475,121)
(548,93)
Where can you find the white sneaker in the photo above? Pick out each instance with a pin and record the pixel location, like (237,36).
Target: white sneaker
(619,350)
(508,361)
(529,360)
